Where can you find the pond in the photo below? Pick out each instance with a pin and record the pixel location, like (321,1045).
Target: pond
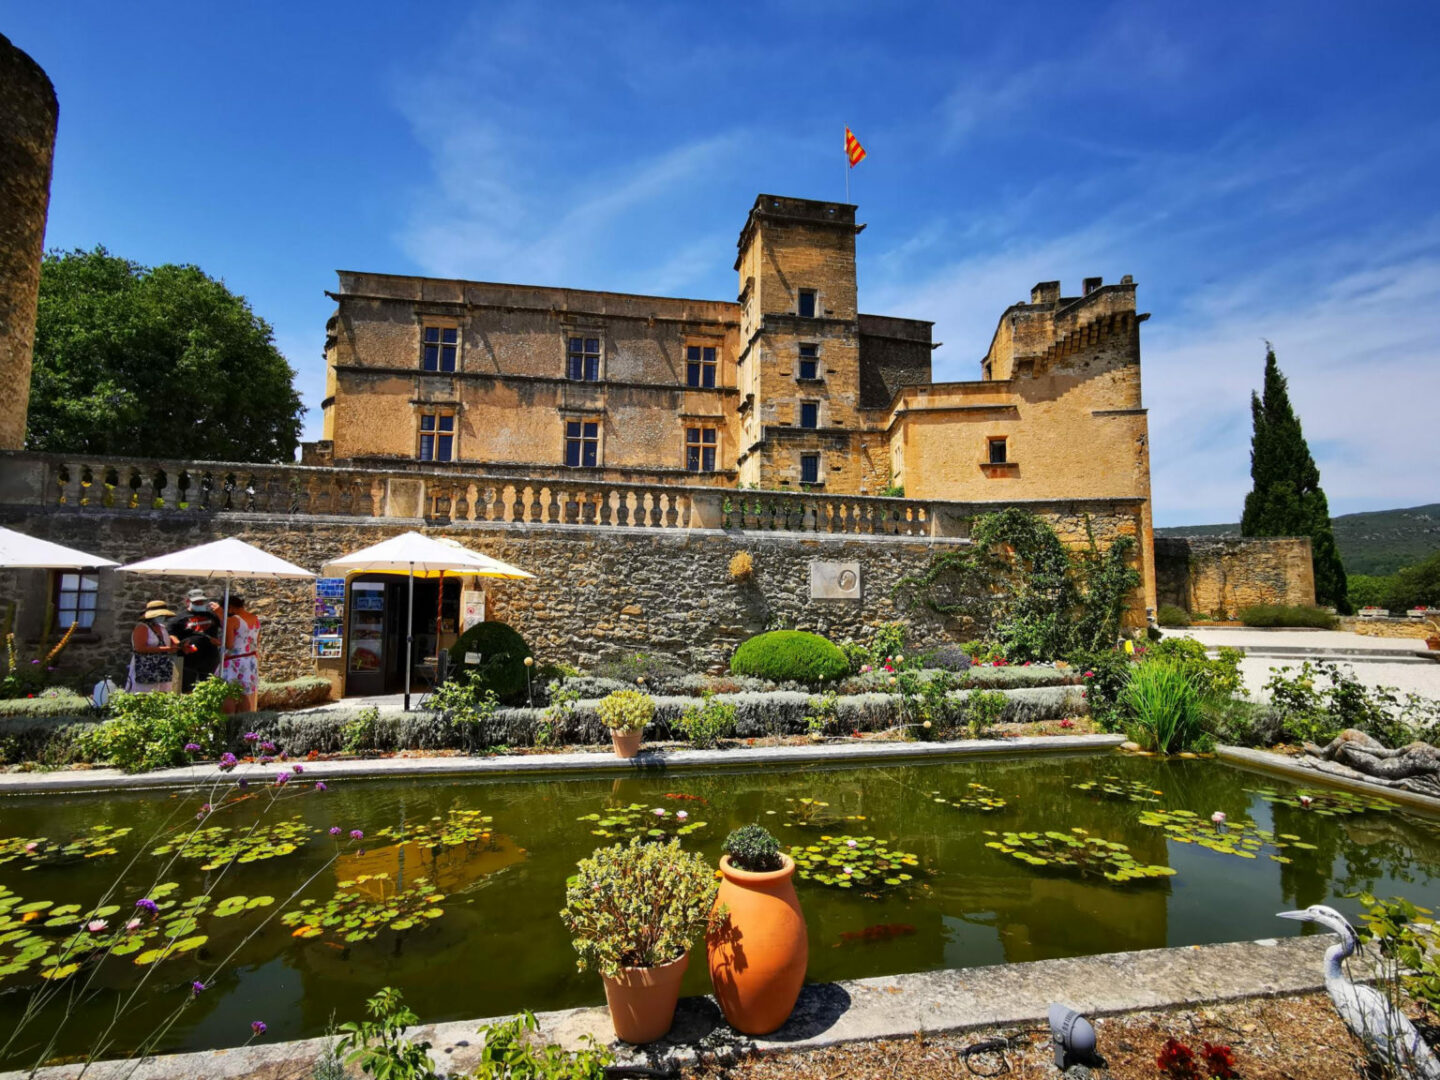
(452,893)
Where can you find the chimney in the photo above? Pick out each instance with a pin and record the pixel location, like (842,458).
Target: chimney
(1046,292)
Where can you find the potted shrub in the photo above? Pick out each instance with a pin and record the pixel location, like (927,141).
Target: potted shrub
(633,912)
(625,713)
(757,945)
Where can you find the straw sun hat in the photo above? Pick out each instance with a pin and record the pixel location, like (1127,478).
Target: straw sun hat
(156,609)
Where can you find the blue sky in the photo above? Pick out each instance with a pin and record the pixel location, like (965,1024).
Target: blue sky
(1266,171)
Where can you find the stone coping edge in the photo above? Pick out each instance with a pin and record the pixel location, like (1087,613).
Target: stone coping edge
(829,1014)
(1265,761)
(573,764)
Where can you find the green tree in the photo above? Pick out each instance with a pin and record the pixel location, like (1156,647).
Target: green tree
(162,362)
(1287,499)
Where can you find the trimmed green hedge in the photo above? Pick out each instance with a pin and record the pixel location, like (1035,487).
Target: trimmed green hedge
(502,653)
(64,704)
(1288,615)
(1170,615)
(790,655)
(298,693)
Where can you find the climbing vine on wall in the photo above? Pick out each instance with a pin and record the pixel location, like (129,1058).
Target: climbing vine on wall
(1041,602)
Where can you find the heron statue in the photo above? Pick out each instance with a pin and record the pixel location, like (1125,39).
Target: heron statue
(1377,1022)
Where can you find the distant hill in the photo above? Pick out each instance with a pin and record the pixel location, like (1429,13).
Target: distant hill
(1378,542)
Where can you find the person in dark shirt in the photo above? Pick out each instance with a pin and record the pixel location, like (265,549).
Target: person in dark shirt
(198,632)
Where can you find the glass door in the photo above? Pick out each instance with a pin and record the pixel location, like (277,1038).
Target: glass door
(365,644)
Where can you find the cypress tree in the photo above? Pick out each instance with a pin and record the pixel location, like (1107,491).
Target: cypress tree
(1287,499)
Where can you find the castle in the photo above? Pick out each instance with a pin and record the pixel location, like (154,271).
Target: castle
(790,387)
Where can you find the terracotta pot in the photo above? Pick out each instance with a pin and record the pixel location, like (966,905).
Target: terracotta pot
(1432,642)
(626,744)
(642,1000)
(757,954)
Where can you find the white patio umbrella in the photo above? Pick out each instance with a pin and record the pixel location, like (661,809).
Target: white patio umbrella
(21,552)
(229,558)
(417,555)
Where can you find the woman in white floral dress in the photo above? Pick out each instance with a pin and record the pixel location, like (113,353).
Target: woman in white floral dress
(242,668)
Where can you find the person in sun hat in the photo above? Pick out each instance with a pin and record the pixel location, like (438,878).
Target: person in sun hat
(152,651)
(242,638)
(198,632)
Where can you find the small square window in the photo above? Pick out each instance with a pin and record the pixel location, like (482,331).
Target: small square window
(700,444)
(583,359)
(806,305)
(439,348)
(809,414)
(437,437)
(997,452)
(809,468)
(75,600)
(582,443)
(700,364)
(809,362)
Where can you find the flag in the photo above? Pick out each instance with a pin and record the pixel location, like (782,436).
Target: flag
(853,150)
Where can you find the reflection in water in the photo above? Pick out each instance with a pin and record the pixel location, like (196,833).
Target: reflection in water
(499,945)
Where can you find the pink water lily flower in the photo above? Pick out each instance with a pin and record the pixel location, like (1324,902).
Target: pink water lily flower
(658,812)
(31,846)
(1305,801)
(1218,817)
(96,925)
(681,814)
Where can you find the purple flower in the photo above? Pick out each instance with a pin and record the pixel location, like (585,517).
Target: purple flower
(281,778)
(192,748)
(147,905)
(257,1026)
(242,782)
(205,808)
(360,852)
(228,761)
(268,747)
(252,736)
(320,785)
(334,830)
(298,767)
(197,988)
(356,834)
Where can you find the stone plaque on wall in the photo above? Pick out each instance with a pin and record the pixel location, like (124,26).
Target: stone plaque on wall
(834,581)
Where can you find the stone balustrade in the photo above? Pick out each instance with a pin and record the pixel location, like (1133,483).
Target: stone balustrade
(452,496)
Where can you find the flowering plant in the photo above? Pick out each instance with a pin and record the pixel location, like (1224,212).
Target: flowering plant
(151,731)
(637,905)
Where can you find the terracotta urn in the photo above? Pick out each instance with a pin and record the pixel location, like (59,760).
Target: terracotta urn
(1433,642)
(758,951)
(642,1000)
(627,744)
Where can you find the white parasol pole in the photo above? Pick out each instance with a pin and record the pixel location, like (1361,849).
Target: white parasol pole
(409,636)
(224,626)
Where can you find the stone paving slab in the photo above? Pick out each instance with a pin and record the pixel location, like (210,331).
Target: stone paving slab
(1324,641)
(832,1013)
(576,763)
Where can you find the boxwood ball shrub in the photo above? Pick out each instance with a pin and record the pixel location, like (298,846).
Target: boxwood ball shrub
(752,848)
(1170,615)
(1288,615)
(502,652)
(790,656)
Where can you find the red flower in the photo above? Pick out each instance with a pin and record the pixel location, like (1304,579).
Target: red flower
(1219,1062)
(1082,693)
(1177,1060)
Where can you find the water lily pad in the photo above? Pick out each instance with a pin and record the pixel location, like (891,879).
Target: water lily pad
(863,863)
(1113,787)
(810,813)
(1241,838)
(220,845)
(976,798)
(1327,802)
(96,842)
(1076,852)
(455,828)
(637,819)
(354,915)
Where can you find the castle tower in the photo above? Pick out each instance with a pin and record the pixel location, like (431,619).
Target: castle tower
(28,115)
(799,361)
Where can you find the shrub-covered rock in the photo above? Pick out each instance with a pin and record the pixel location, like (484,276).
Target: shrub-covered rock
(501,667)
(295,694)
(790,655)
(947,658)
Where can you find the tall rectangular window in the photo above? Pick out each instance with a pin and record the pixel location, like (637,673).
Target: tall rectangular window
(809,414)
(75,598)
(997,451)
(440,344)
(437,436)
(583,359)
(809,468)
(700,444)
(805,308)
(809,362)
(582,443)
(700,365)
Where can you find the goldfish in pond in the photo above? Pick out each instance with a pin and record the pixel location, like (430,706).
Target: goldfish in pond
(878,932)
(687,798)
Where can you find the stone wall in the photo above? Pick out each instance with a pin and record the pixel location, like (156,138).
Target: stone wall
(28,115)
(1220,575)
(1387,628)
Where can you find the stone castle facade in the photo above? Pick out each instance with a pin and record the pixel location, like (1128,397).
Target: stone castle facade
(790,387)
